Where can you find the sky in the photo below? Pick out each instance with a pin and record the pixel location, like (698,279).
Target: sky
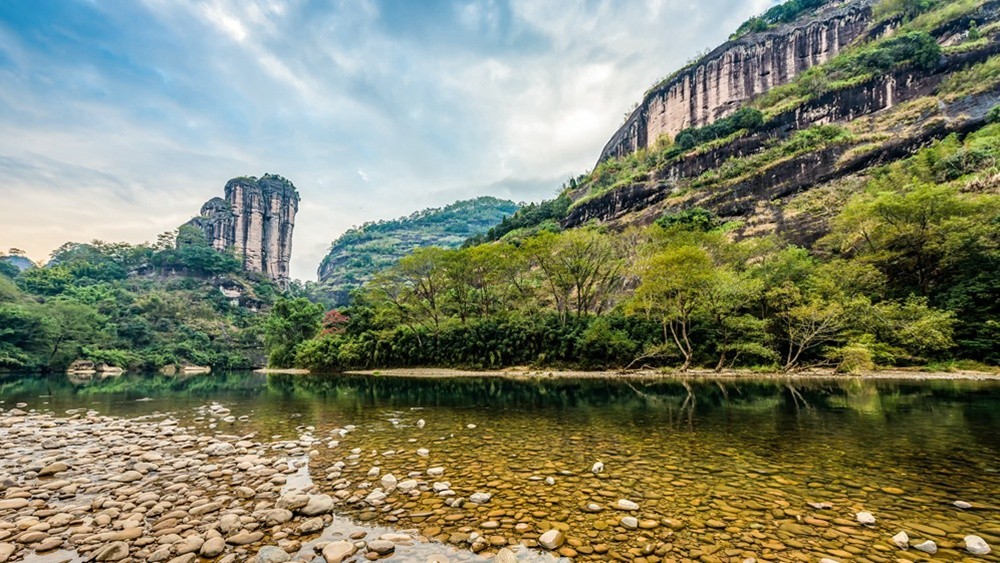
(118,119)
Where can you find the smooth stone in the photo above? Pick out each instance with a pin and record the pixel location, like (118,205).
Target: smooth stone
(480,498)
(6,551)
(52,469)
(901,540)
(624,504)
(310,526)
(505,556)
(213,547)
(976,545)
(338,551)
(272,554)
(13,504)
(962,504)
(112,552)
(435,471)
(598,467)
(865,518)
(552,539)
(389,481)
(317,505)
(927,547)
(381,547)
(630,522)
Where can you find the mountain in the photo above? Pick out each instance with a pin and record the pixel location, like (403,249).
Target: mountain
(362,251)
(255,220)
(774,130)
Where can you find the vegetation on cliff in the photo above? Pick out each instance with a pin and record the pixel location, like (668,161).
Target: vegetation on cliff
(905,277)
(362,251)
(137,306)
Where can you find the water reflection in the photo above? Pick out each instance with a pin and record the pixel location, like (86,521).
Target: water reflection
(748,453)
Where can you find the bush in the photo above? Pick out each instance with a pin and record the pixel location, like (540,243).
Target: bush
(994,115)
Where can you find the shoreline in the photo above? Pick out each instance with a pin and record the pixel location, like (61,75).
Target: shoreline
(525,373)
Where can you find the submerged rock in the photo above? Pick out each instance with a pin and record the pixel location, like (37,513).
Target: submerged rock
(624,504)
(901,540)
(866,518)
(338,551)
(976,545)
(927,547)
(552,539)
(597,468)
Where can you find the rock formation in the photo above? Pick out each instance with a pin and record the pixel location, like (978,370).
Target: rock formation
(256,219)
(716,85)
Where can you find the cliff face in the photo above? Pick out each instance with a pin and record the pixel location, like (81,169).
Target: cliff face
(718,83)
(816,144)
(256,219)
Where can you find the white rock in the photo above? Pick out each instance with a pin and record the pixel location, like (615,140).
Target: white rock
(865,518)
(389,481)
(927,547)
(624,504)
(962,504)
(550,481)
(373,472)
(423,452)
(552,539)
(338,551)
(435,471)
(407,485)
(480,498)
(421,423)
(317,505)
(976,545)
(470,426)
(630,522)
(505,556)
(597,468)
(901,540)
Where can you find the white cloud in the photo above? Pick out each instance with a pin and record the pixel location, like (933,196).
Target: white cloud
(124,135)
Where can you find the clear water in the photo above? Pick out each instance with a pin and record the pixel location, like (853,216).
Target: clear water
(726,469)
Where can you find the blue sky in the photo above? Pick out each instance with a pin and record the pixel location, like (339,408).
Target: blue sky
(118,119)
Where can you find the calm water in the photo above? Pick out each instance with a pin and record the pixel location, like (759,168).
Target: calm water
(725,469)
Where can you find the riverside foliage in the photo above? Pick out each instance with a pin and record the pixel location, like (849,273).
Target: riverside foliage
(905,277)
(132,306)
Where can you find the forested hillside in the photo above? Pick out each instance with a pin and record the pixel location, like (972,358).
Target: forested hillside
(849,218)
(133,306)
(362,251)
(906,276)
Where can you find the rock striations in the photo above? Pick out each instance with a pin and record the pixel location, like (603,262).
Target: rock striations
(256,220)
(716,85)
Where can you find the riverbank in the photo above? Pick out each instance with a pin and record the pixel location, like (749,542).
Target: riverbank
(897,374)
(80,486)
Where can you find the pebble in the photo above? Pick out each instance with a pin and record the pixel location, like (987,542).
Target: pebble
(976,545)
(271,554)
(624,504)
(866,518)
(927,547)
(338,551)
(552,539)
(901,540)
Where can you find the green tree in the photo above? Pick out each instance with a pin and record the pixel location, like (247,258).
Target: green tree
(290,323)
(675,283)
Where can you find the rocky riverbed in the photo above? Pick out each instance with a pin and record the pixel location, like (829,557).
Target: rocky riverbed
(412,472)
(80,486)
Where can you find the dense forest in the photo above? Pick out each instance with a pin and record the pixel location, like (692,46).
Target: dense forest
(907,276)
(145,306)
(360,252)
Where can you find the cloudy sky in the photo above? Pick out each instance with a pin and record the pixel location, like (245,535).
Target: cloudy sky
(118,119)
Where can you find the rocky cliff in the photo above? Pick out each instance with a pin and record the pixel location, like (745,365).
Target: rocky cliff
(718,83)
(881,86)
(256,220)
